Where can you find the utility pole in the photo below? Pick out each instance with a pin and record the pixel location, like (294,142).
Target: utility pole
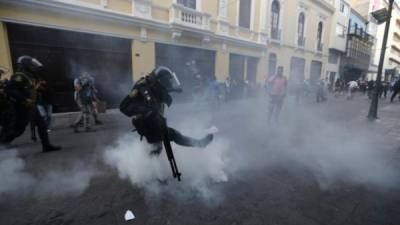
(373,109)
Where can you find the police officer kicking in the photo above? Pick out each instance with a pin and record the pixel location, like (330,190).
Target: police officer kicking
(145,104)
(22,95)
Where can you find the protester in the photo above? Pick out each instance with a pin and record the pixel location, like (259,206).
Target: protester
(320,92)
(384,89)
(396,90)
(370,86)
(352,87)
(84,97)
(277,86)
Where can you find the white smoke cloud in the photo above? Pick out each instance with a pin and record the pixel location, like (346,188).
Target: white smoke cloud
(13,177)
(200,168)
(18,182)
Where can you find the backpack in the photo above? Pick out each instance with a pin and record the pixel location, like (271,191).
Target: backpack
(128,104)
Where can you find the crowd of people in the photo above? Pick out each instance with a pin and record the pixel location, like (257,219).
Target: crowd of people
(26,98)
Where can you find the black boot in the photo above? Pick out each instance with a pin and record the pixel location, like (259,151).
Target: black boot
(202,143)
(50,148)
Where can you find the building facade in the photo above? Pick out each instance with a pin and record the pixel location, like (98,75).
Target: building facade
(118,41)
(356,62)
(391,66)
(299,37)
(338,39)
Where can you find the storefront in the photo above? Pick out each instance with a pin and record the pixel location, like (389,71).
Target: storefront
(67,54)
(194,67)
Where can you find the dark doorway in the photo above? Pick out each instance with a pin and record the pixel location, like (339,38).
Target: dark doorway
(236,67)
(66,54)
(194,67)
(315,71)
(297,66)
(252,64)
(236,73)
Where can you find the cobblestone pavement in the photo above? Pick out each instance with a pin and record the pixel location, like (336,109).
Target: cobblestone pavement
(276,179)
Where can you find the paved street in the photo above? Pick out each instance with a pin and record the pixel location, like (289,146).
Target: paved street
(322,164)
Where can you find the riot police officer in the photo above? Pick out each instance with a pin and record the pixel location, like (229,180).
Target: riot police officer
(145,104)
(22,94)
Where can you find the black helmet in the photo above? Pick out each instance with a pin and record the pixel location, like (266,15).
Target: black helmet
(167,79)
(29,64)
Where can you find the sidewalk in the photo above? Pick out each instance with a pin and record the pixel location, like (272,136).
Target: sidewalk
(64,120)
(389,120)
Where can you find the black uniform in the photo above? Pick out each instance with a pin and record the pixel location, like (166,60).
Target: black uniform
(4,103)
(21,92)
(145,104)
(396,90)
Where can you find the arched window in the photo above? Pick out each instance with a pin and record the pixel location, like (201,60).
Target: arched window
(188,3)
(275,11)
(300,29)
(272,63)
(319,36)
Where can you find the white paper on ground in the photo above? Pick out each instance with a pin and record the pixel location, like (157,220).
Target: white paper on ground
(129,215)
(212,130)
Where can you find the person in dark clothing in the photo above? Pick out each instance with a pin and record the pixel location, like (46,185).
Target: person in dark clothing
(44,106)
(22,92)
(4,103)
(384,89)
(145,104)
(320,91)
(370,85)
(396,90)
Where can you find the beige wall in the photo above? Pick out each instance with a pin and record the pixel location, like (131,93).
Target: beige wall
(5,57)
(143,58)
(288,48)
(221,65)
(143,53)
(91,1)
(120,5)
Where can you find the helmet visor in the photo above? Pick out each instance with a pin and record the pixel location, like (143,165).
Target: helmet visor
(175,84)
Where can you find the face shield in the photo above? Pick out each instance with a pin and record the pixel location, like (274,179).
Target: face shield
(168,79)
(175,84)
(36,66)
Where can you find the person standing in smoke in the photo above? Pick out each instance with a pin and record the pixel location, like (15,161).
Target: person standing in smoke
(277,85)
(320,92)
(21,90)
(396,90)
(84,97)
(145,104)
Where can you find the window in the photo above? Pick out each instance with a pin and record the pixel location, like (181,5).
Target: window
(300,29)
(344,8)
(333,57)
(275,11)
(319,36)
(244,13)
(188,3)
(340,30)
(272,62)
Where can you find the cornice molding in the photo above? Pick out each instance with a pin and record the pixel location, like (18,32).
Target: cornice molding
(98,12)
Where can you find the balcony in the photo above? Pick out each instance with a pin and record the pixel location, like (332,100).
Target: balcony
(188,17)
(275,34)
(320,46)
(301,41)
(361,34)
